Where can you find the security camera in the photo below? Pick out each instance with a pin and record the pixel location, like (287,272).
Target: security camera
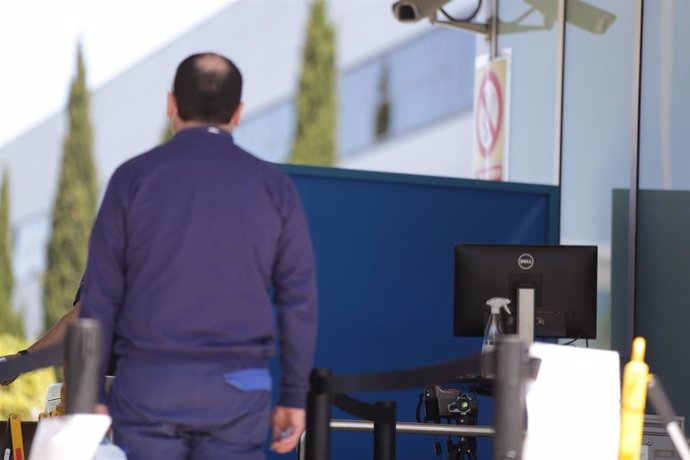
(414,10)
(580,14)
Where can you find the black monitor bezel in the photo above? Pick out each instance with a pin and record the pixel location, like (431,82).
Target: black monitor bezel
(578,312)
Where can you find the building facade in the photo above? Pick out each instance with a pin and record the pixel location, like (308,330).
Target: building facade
(421,75)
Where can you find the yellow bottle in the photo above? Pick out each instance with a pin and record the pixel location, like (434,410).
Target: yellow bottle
(633,399)
(15,427)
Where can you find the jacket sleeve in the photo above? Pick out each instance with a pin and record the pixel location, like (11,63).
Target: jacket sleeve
(295,295)
(103,289)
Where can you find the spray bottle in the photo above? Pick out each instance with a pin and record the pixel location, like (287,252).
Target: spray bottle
(495,326)
(633,398)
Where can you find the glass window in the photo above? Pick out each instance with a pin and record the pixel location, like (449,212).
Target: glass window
(270,133)
(530,33)
(663,206)
(417,83)
(430,78)
(413,85)
(597,134)
(359,98)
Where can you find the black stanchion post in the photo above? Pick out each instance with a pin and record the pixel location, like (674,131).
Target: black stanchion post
(384,431)
(509,409)
(318,442)
(82,358)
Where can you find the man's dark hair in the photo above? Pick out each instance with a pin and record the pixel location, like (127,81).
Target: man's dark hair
(207,88)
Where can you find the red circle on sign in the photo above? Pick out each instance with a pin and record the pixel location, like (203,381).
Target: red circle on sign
(489,116)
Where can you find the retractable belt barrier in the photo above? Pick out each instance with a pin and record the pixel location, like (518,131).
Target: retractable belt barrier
(509,363)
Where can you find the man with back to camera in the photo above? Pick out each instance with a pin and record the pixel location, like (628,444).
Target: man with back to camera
(193,245)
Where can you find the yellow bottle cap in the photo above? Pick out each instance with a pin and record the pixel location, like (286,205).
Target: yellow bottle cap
(638,350)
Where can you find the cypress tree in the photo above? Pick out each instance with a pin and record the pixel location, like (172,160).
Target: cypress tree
(11,322)
(75,205)
(316,102)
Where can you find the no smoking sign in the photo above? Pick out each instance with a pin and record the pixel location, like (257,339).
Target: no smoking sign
(489,116)
(489,157)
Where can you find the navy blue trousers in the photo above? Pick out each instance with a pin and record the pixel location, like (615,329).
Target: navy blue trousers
(186,412)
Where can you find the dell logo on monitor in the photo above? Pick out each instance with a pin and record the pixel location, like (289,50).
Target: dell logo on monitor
(526,261)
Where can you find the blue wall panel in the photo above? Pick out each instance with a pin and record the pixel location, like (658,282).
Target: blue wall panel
(384,251)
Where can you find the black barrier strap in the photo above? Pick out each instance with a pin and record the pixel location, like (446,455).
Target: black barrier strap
(452,371)
(363,410)
(20,364)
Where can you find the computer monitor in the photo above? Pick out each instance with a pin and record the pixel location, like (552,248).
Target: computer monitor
(556,285)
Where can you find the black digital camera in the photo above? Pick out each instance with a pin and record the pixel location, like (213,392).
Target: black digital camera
(449,404)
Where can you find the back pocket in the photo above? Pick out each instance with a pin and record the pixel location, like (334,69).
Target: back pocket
(249,379)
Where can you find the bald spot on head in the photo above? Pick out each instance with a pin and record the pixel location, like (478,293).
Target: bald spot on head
(207,89)
(212,63)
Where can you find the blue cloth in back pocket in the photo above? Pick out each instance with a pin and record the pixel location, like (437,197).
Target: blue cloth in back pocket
(250,379)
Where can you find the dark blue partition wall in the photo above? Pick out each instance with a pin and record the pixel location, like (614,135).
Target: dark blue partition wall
(384,251)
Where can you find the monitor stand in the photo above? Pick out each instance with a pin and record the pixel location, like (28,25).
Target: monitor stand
(525,314)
